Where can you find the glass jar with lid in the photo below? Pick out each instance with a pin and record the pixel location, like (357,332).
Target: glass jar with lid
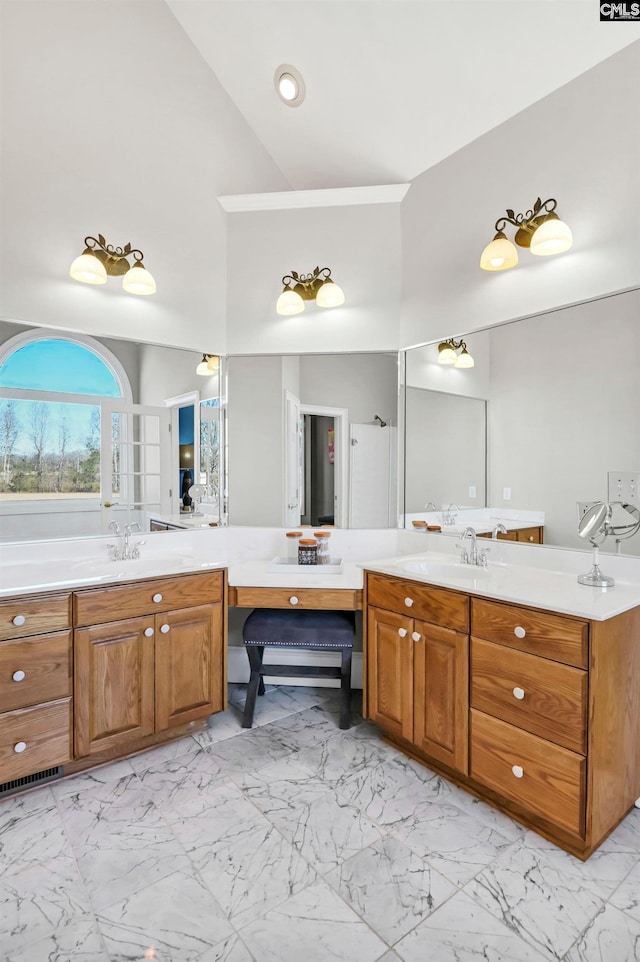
(307,551)
(292,538)
(322,537)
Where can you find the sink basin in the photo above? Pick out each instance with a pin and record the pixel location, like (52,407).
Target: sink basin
(442,570)
(136,567)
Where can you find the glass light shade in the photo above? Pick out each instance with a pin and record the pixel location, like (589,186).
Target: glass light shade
(203,367)
(499,255)
(330,295)
(447,356)
(552,237)
(88,269)
(465,360)
(289,303)
(213,363)
(138,280)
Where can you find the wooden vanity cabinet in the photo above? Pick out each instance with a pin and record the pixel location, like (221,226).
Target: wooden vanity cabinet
(148,658)
(417,666)
(35,684)
(553,703)
(533,534)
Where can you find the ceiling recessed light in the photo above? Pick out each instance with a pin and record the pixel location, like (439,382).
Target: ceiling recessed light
(289,85)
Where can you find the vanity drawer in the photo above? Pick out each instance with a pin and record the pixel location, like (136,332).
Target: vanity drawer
(45,733)
(544,778)
(434,605)
(552,636)
(98,605)
(534,693)
(345,599)
(34,670)
(32,615)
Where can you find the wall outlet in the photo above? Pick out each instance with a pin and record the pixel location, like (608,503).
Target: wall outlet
(624,486)
(506,494)
(472,491)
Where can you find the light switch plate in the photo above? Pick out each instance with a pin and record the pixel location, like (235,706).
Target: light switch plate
(624,486)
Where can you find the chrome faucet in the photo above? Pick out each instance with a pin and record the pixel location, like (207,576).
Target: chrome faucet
(499,529)
(449,516)
(124,551)
(472,557)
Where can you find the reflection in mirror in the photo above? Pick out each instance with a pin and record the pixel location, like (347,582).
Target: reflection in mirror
(90,436)
(562,409)
(304,444)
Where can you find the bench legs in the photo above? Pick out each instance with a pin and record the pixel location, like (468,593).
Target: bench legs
(255,687)
(256,683)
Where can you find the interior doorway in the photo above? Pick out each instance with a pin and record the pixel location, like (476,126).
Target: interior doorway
(318,490)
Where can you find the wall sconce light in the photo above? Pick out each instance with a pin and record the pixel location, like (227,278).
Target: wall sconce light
(299,288)
(447,353)
(209,365)
(540,229)
(99,260)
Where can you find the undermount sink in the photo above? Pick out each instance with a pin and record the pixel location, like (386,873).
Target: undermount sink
(439,568)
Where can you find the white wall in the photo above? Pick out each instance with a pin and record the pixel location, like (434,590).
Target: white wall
(365,384)
(565,410)
(445,450)
(112,123)
(580,145)
(362,246)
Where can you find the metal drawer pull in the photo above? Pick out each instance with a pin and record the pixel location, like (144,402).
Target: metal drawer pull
(157,598)
(293,600)
(518,693)
(402,632)
(19,747)
(518,771)
(519,632)
(416,635)
(18,675)
(19,620)
(408,602)
(165,628)
(148,632)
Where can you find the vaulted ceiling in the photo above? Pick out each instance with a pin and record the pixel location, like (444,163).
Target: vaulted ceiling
(393,86)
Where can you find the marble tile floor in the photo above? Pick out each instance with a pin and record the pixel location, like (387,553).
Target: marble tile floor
(297,842)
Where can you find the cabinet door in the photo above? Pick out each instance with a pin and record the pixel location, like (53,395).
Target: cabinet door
(113,685)
(389,671)
(189,682)
(441,694)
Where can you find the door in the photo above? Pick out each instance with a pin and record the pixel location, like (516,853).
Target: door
(135,462)
(188,658)
(390,671)
(372,476)
(113,685)
(441,694)
(293,453)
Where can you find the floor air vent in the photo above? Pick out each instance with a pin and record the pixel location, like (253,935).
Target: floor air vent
(19,784)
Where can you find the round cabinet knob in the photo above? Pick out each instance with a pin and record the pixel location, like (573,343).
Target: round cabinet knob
(518,771)
(416,635)
(402,632)
(19,747)
(519,632)
(157,598)
(19,620)
(164,629)
(18,675)
(148,632)
(408,602)
(518,693)
(293,600)
(530,537)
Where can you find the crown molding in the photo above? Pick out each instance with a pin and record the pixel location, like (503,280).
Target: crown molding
(300,199)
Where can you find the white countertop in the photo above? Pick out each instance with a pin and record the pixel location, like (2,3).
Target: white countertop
(186,519)
(535,587)
(518,573)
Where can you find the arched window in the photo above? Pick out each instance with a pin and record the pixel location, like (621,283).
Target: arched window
(51,388)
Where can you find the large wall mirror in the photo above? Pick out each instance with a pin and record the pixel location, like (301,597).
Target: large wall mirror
(312,439)
(562,398)
(101,430)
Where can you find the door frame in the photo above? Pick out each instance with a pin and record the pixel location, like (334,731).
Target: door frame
(341,458)
(182,401)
